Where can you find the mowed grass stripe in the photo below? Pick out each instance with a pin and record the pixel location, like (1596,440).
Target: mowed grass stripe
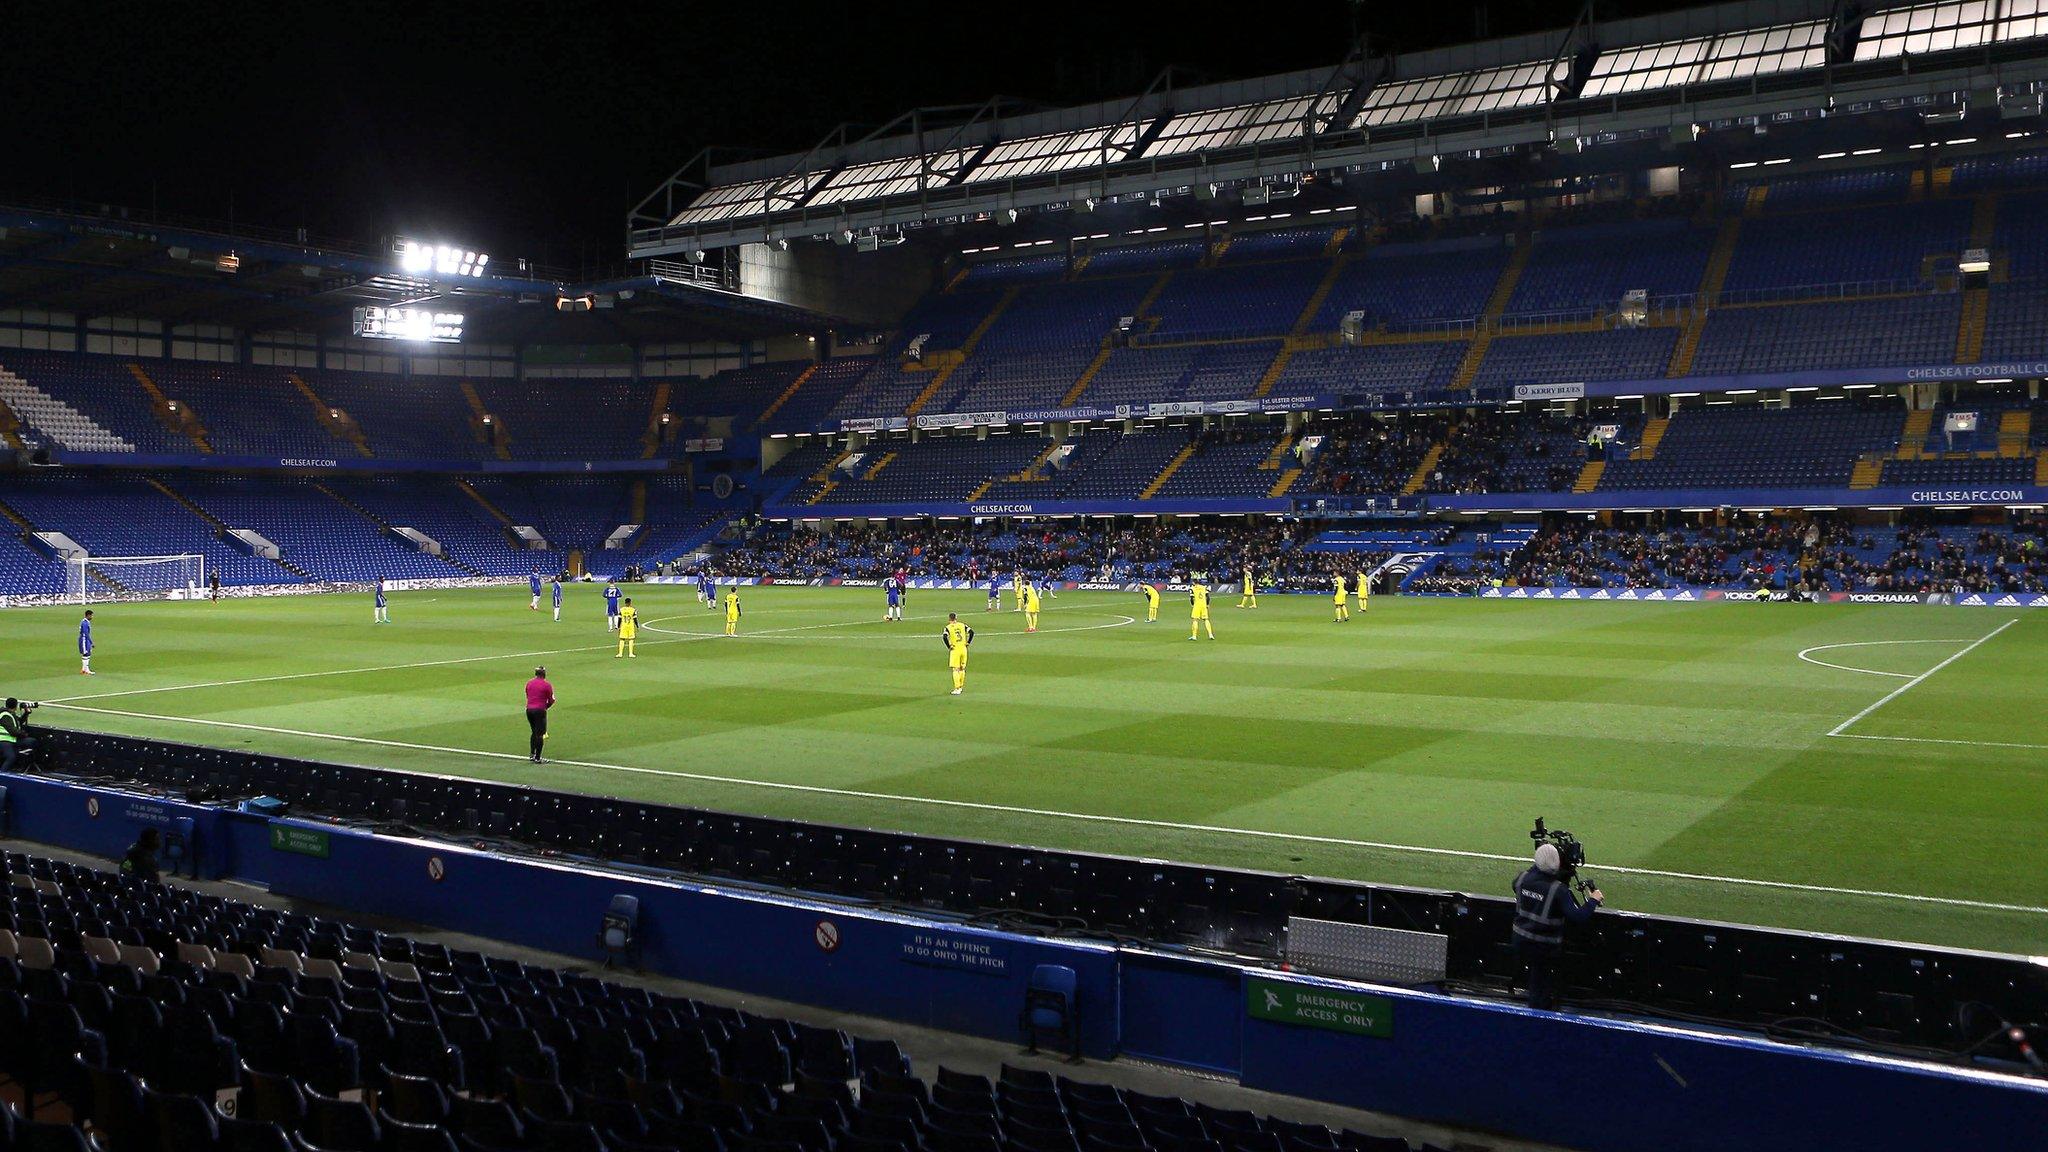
(1437,723)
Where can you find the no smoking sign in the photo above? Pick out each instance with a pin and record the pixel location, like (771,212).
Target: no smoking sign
(827,936)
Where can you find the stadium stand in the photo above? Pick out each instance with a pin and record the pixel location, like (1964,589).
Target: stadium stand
(1542,358)
(132,1006)
(1849,334)
(128,515)
(1590,267)
(94,403)
(1373,368)
(1894,242)
(1813,446)
(1118,465)
(1406,286)
(311,532)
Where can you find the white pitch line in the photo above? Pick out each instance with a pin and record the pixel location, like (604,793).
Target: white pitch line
(1902,689)
(1937,740)
(1866,644)
(1084,817)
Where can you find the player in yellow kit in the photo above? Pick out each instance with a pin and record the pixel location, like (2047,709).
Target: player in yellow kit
(629,627)
(1248,596)
(1364,590)
(732,611)
(1017,586)
(1343,613)
(1151,594)
(957,637)
(1198,598)
(1031,607)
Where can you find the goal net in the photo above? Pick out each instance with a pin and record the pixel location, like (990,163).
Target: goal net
(134,577)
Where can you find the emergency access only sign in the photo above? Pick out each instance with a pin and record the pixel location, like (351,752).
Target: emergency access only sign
(1353,1012)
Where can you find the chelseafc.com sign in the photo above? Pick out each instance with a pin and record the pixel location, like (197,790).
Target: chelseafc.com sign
(1968,496)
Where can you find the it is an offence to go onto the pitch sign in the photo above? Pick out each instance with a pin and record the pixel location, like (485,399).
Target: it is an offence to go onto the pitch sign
(1355,1012)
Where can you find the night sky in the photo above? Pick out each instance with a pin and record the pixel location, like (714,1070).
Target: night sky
(529,129)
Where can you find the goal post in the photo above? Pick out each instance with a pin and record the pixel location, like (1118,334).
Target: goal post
(89,578)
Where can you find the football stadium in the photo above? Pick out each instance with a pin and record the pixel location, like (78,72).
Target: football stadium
(1485,595)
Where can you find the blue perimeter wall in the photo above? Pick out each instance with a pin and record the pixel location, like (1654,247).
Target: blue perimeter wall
(1593,1084)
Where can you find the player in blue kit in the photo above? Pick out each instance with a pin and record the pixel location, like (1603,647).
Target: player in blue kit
(533,589)
(557,586)
(85,645)
(995,594)
(894,588)
(611,605)
(383,615)
(707,592)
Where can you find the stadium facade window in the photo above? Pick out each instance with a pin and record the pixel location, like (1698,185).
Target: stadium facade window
(1951,24)
(1038,155)
(1220,128)
(879,179)
(1458,94)
(1733,55)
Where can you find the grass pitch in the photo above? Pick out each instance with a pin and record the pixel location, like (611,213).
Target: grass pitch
(1875,770)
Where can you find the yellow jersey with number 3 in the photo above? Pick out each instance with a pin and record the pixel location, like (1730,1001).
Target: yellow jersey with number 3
(957,638)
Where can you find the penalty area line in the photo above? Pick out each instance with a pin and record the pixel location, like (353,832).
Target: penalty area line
(1078,817)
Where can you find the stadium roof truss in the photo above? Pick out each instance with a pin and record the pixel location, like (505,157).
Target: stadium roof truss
(1749,58)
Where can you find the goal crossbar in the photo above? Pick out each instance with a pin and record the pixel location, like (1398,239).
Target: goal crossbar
(89,578)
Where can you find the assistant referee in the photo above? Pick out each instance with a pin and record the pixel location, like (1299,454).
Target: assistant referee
(540,696)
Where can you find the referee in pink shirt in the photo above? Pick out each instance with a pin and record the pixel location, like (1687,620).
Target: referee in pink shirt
(540,696)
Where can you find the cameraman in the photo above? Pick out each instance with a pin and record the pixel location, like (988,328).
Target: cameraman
(1544,904)
(14,735)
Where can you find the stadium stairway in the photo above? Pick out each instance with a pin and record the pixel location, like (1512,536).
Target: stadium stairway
(10,427)
(1143,308)
(1087,377)
(2015,432)
(1868,472)
(1970,326)
(875,469)
(177,418)
(1589,476)
(1323,289)
(380,522)
(1278,455)
(967,346)
(1278,368)
(1709,292)
(1653,435)
(1913,436)
(1166,473)
(20,521)
(786,395)
(1285,482)
(1496,304)
(470,491)
(487,429)
(220,527)
(650,440)
(338,423)
(1427,464)
(2041,468)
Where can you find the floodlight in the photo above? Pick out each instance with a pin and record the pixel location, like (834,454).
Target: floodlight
(440,259)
